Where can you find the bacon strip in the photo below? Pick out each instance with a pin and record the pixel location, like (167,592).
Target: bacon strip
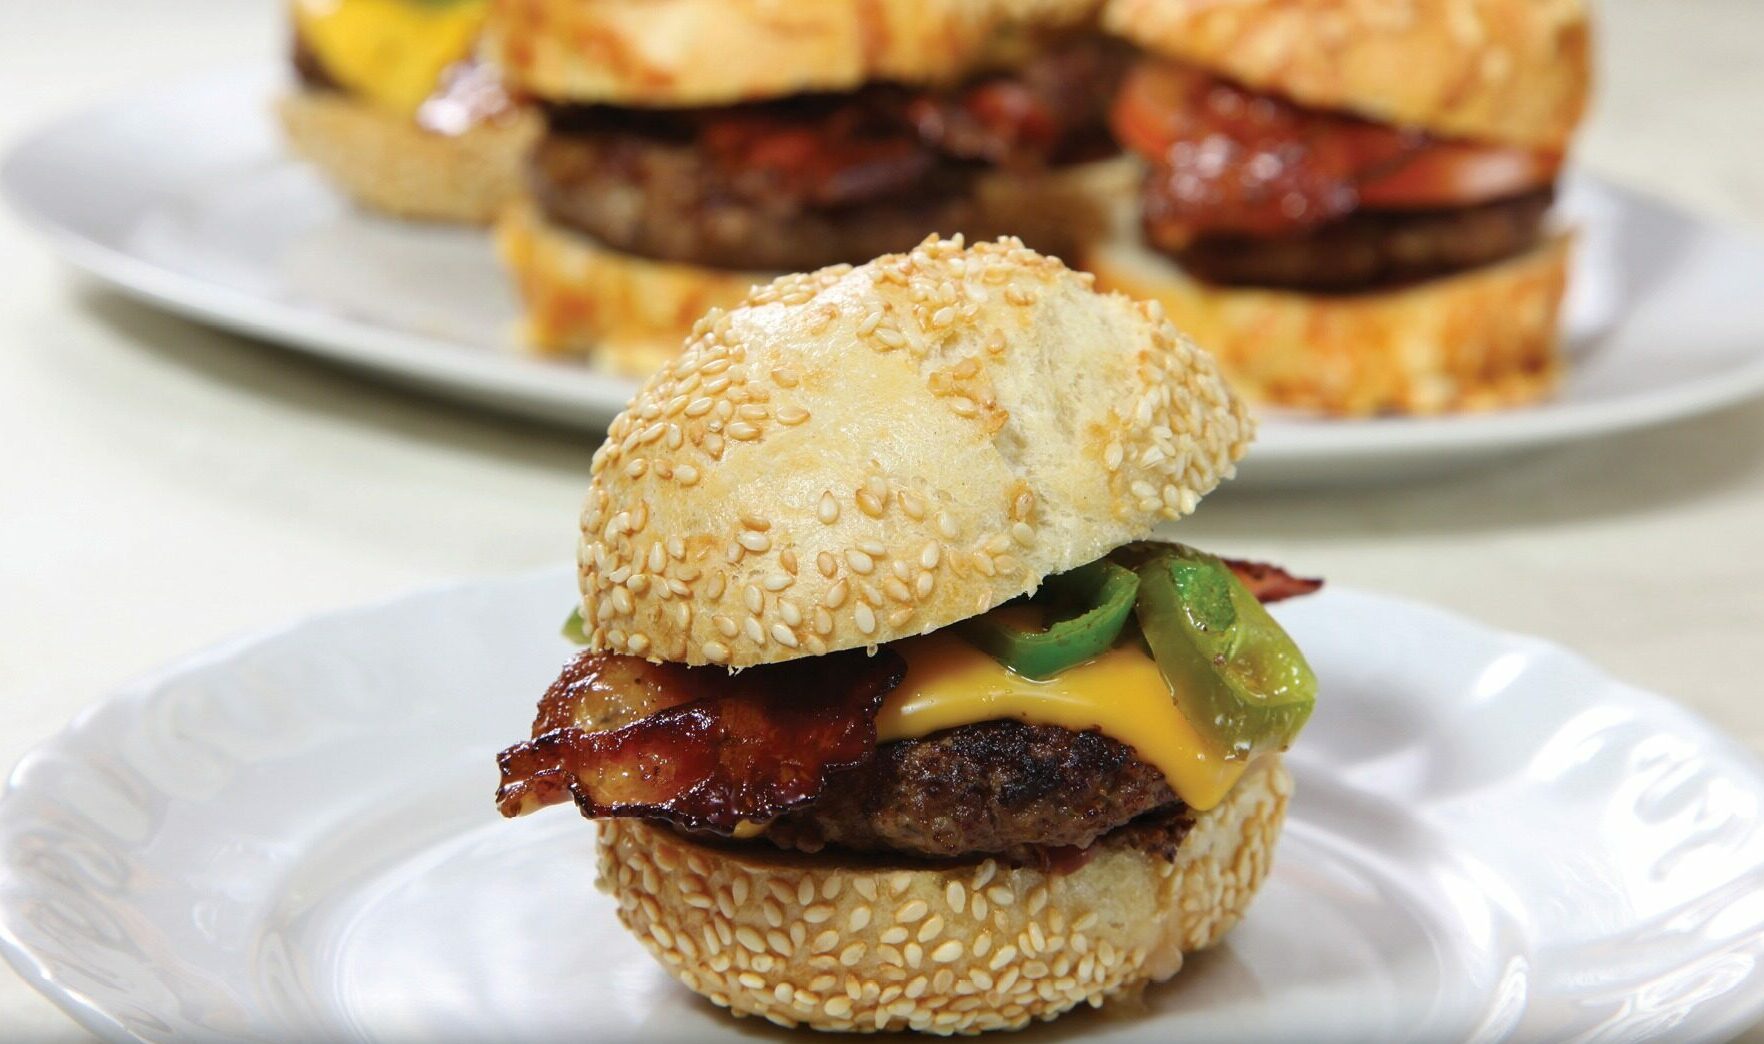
(1270,583)
(697,746)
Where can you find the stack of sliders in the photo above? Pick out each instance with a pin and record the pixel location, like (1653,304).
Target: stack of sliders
(393,103)
(891,714)
(697,148)
(1346,203)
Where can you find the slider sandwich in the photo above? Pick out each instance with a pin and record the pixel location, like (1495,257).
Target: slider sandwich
(697,148)
(891,713)
(1348,204)
(394,104)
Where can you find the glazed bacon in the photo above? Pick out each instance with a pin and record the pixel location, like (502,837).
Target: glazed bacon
(697,746)
(1270,583)
(1230,161)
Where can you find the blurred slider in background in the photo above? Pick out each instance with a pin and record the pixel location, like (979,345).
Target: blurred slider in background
(1347,203)
(393,102)
(695,148)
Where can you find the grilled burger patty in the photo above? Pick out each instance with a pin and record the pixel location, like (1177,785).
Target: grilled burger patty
(810,180)
(657,197)
(1366,250)
(997,787)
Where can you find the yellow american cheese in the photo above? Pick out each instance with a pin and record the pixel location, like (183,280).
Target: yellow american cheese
(391,52)
(1121,694)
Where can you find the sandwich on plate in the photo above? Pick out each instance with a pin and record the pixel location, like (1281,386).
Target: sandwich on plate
(394,104)
(696,148)
(891,711)
(1348,203)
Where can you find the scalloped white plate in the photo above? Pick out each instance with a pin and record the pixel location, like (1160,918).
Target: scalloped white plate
(292,838)
(187,199)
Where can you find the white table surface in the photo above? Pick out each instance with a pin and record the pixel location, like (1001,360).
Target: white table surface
(163,486)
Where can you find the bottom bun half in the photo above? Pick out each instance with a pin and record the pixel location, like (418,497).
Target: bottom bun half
(385,161)
(804,941)
(1481,339)
(630,314)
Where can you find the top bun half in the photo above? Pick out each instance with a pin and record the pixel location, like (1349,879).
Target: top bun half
(682,53)
(863,454)
(1514,72)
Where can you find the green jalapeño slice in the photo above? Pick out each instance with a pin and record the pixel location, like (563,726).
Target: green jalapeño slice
(575,628)
(1236,675)
(1083,611)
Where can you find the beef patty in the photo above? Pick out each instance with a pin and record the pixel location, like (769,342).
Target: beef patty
(997,787)
(675,201)
(1365,250)
(809,180)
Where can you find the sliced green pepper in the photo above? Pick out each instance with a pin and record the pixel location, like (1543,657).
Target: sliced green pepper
(1236,675)
(1088,607)
(574,629)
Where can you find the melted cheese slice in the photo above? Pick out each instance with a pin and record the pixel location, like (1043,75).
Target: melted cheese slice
(391,52)
(1121,694)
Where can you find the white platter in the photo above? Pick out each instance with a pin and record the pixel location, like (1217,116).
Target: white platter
(186,198)
(292,838)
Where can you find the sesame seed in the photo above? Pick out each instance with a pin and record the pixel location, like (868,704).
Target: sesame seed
(912,911)
(788,611)
(743,431)
(946,524)
(755,542)
(930,554)
(859,561)
(752,598)
(828,510)
(777,581)
(859,919)
(931,929)
(865,619)
(755,633)
(956,896)
(783,636)
(792,415)
(836,594)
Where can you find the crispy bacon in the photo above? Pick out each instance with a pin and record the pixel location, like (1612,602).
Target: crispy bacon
(698,747)
(1270,583)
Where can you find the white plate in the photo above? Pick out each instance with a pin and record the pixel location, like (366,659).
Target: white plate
(292,838)
(188,199)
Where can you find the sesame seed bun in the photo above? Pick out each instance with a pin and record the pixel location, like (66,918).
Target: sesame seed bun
(385,161)
(1510,71)
(628,314)
(858,455)
(716,52)
(952,949)
(1478,339)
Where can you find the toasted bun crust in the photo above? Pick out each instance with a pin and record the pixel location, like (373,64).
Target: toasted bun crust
(858,455)
(1476,340)
(385,161)
(957,949)
(1514,71)
(625,313)
(630,314)
(714,52)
